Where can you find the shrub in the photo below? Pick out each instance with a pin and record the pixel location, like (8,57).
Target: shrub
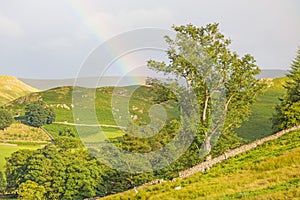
(5,119)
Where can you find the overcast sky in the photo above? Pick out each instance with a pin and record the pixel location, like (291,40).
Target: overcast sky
(52,38)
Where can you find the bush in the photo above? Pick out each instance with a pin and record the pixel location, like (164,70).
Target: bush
(5,119)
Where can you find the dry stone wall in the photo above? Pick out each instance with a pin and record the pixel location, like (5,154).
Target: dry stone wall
(208,164)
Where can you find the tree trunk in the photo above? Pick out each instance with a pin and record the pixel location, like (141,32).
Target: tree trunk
(205,106)
(207,144)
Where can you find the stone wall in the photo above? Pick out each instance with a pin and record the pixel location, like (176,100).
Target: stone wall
(208,164)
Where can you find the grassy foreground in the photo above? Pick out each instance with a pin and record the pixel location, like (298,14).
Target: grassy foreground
(270,171)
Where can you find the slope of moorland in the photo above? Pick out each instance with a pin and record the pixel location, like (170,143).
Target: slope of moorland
(270,171)
(12,88)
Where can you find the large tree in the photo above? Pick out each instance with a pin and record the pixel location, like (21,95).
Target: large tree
(223,82)
(5,119)
(37,114)
(288,111)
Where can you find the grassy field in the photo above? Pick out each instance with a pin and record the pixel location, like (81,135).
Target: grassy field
(259,124)
(12,88)
(92,133)
(270,171)
(7,149)
(19,136)
(18,132)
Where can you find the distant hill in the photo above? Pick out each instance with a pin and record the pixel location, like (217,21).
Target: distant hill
(96,82)
(88,82)
(272,73)
(12,88)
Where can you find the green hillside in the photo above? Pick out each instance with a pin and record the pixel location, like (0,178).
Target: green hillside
(60,99)
(12,88)
(270,171)
(259,124)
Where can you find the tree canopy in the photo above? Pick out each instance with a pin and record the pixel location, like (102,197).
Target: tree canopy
(203,58)
(38,114)
(288,111)
(65,171)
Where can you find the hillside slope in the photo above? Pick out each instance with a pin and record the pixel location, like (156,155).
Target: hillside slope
(270,171)
(259,124)
(12,88)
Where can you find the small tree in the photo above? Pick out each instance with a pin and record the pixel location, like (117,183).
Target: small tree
(37,114)
(5,119)
(288,111)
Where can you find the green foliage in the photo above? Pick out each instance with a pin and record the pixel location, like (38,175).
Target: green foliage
(202,56)
(68,142)
(30,190)
(56,173)
(2,182)
(288,111)
(65,171)
(227,142)
(37,114)
(162,93)
(7,149)
(5,119)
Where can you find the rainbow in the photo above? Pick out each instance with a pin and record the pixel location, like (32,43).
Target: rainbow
(131,66)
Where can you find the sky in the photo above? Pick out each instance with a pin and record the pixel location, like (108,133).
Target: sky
(54,38)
